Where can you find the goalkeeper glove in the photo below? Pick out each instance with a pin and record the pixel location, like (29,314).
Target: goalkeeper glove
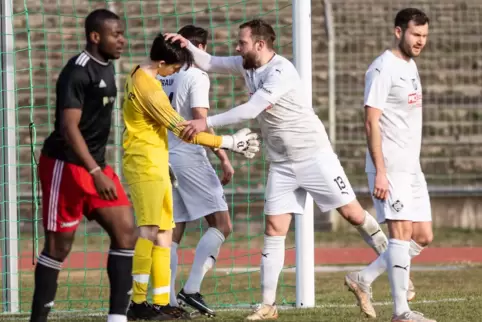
(173,177)
(243,142)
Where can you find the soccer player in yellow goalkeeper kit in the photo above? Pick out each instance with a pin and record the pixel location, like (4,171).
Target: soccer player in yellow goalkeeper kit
(148,115)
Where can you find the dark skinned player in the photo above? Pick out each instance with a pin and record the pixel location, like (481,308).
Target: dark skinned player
(74,176)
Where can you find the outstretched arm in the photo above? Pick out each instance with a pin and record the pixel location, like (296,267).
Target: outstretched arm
(216,64)
(158,107)
(272,90)
(208,63)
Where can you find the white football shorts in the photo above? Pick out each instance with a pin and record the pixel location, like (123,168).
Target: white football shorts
(322,176)
(408,198)
(199,192)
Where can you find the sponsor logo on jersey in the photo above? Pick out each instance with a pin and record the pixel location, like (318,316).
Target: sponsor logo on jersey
(415,100)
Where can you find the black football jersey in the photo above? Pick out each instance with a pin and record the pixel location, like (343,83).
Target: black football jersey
(87,84)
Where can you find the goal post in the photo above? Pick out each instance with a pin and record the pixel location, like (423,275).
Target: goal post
(8,173)
(304,224)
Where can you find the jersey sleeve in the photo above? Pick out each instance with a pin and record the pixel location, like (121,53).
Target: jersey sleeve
(199,91)
(377,87)
(216,64)
(156,104)
(71,88)
(276,84)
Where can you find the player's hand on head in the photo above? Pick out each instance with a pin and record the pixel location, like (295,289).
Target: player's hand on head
(172,37)
(243,142)
(228,172)
(105,186)
(380,190)
(191,128)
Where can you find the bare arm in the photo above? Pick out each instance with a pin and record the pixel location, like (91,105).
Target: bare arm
(71,133)
(374,137)
(216,64)
(202,113)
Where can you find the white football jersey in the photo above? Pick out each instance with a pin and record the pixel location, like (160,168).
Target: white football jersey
(393,86)
(290,128)
(186,89)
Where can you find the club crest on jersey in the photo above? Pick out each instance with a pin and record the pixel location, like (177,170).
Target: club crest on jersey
(397,206)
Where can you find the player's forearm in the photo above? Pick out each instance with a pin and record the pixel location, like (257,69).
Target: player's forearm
(207,140)
(244,112)
(210,63)
(77,143)
(374,140)
(221,154)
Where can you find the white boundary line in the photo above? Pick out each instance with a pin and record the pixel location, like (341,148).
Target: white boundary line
(336,269)
(61,315)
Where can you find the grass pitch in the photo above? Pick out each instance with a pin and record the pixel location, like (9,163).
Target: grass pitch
(453,295)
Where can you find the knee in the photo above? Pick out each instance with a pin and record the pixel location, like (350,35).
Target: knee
(163,238)
(149,232)
(423,239)
(277,225)
(58,246)
(125,237)
(353,213)
(226,229)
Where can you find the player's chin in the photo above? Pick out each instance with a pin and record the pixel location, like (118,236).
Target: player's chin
(117,55)
(416,52)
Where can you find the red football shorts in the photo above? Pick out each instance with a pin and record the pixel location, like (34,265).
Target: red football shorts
(68,191)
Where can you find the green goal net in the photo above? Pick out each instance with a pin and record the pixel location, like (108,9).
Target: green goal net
(46,34)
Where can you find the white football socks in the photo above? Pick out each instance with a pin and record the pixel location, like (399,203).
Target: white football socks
(376,268)
(398,267)
(207,252)
(272,261)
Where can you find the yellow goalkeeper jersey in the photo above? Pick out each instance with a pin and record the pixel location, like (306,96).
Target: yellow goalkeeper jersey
(148,115)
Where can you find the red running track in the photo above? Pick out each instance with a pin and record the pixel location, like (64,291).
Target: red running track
(245,258)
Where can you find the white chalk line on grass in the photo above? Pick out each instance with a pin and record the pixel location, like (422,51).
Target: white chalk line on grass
(337,269)
(82,314)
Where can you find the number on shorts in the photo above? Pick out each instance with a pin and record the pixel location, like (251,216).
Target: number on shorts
(339,181)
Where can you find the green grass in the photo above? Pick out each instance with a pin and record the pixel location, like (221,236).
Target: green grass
(448,296)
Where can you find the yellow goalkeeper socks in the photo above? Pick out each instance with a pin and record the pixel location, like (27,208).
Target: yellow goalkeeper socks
(141,268)
(161,275)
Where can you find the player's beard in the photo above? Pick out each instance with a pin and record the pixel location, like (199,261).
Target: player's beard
(249,60)
(405,47)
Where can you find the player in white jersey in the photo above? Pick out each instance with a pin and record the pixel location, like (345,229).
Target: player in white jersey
(301,157)
(393,120)
(199,192)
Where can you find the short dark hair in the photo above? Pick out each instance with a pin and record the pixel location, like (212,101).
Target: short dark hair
(406,15)
(96,19)
(261,30)
(196,35)
(170,52)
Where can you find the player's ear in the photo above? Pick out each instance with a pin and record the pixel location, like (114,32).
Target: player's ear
(260,44)
(398,32)
(94,37)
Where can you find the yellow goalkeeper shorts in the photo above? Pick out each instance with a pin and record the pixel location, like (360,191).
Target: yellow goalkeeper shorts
(152,201)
